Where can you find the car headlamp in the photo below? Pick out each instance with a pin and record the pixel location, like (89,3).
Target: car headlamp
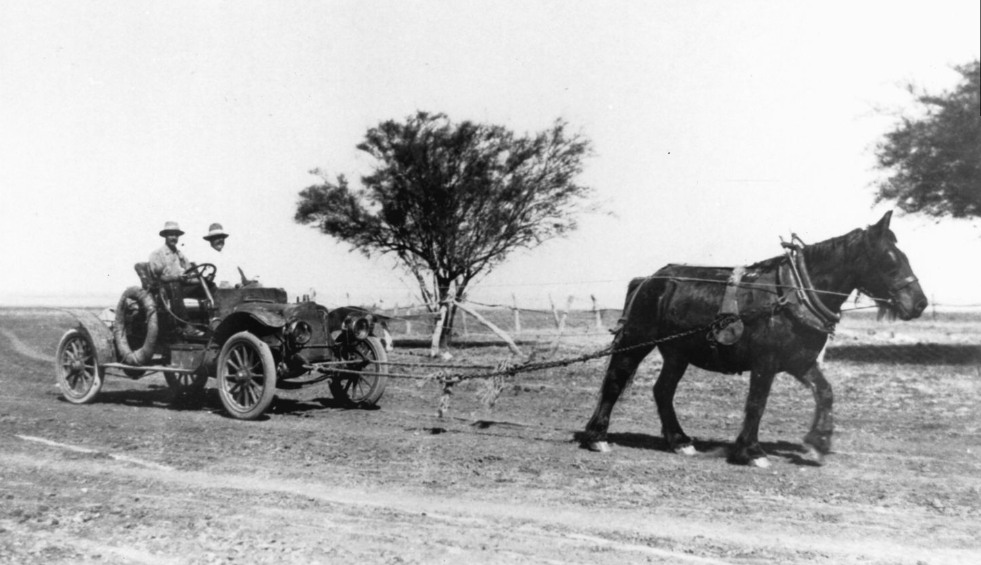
(357,327)
(362,328)
(300,332)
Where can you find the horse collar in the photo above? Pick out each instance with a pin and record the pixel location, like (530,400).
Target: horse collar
(826,320)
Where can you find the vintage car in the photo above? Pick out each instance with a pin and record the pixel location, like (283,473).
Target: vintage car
(250,339)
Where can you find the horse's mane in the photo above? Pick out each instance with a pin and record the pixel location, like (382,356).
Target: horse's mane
(834,249)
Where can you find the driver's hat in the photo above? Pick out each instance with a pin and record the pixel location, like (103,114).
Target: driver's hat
(215,231)
(171,227)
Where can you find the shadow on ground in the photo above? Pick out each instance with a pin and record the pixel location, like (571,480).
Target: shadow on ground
(913,353)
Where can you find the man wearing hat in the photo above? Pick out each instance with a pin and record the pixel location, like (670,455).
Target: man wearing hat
(226,268)
(168,265)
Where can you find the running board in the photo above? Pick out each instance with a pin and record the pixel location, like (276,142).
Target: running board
(149,368)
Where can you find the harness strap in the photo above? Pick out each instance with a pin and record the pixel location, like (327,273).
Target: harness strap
(730,302)
(729,333)
(901,284)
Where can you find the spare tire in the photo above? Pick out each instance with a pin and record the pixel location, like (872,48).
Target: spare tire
(126,329)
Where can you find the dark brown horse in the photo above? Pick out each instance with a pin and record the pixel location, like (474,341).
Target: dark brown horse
(786,306)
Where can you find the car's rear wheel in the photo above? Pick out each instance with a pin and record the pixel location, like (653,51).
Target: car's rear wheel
(366,387)
(246,376)
(77,368)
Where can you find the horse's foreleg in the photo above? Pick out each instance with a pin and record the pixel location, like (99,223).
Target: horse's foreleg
(622,367)
(664,388)
(747,449)
(823,426)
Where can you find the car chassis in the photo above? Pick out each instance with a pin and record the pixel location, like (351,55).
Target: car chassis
(251,340)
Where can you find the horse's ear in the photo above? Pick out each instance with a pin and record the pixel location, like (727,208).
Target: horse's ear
(883,225)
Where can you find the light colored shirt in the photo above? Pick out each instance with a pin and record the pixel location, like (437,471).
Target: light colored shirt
(226,268)
(168,265)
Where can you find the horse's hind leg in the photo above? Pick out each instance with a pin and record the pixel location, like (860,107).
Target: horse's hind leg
(823,426)
(664,388)
(621,369)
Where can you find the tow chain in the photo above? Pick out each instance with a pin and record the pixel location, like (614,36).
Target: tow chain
(507,369)
(497,379)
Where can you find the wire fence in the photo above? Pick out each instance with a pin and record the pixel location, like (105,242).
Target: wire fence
(943,335)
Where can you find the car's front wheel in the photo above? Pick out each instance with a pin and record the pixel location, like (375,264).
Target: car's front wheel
(365,384)
(246,376)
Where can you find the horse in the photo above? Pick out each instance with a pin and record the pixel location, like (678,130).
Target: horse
(769,317)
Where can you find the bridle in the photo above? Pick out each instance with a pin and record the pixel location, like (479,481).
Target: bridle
(893,287)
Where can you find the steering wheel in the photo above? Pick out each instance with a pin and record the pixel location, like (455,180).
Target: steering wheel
(204,271)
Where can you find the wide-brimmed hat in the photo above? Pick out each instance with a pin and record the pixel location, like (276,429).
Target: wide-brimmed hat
(171,227)
(215,231)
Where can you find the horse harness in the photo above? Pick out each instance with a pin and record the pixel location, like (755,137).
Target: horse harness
(795,293)
(803,304)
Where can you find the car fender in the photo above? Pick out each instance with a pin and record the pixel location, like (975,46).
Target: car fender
(100,333)
(247,317)
(262,312)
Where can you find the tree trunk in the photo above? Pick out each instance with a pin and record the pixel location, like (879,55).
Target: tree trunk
(444,295)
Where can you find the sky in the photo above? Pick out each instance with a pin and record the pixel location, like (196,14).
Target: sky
(718,128)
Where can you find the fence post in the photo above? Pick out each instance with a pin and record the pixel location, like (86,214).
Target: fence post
(596,313)
(500,333)
(517,315)
(565,314)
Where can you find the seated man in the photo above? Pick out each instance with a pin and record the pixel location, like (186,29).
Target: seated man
(168,264)
(227,267)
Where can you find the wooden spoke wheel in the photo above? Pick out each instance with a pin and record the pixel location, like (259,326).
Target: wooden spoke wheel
(185,386)
(366,389)
(77,368)
(246,376)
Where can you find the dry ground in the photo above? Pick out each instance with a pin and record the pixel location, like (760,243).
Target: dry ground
(131,479)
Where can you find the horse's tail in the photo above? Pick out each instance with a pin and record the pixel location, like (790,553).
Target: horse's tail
(632,287)
(640,291)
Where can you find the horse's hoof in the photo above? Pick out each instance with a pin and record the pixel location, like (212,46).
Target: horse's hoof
(814,454)
(599,447)
(687,450)
(761,462)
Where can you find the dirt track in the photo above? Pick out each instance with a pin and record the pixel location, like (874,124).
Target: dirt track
(130,479)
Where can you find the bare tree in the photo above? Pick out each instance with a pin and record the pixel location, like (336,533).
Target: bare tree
(451,200)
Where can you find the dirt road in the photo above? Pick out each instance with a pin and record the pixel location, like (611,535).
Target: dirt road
(132,479)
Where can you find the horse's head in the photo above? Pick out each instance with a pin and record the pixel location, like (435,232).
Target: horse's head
(887,276)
